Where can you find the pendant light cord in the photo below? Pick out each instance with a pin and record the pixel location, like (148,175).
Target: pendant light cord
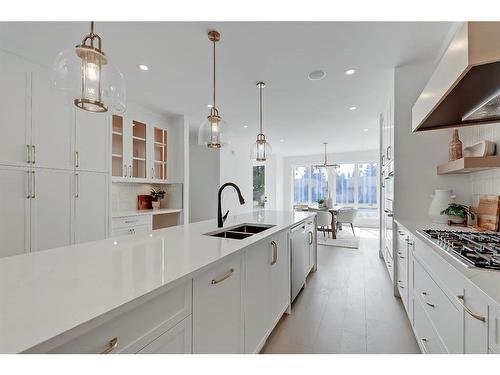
(260,103)
(214,72)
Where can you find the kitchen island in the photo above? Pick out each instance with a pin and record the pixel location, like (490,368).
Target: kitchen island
(148,286)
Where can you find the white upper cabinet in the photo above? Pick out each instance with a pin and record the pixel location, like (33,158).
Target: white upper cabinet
(14,208)
(52,126)
(91,141)
(15,125)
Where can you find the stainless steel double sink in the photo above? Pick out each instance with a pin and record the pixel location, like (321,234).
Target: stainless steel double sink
(240,231)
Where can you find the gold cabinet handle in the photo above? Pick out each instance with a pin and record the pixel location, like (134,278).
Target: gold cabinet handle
(311,238)
(274,247)
(28,154)
(28,194)
(77,159)
(33,184)
(112,344)
(423,341)
(424,295)
(33,154)
(77,185)
(461,299)
(227,275)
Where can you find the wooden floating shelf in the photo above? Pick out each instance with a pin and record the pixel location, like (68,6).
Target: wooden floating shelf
(469,165)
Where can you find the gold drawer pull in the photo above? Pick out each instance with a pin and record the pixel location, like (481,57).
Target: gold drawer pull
(424,294)
(461,299)
(423,341)
(274,247)
(112,344)
(227,275)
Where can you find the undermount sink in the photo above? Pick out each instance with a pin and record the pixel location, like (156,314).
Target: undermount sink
(241,231)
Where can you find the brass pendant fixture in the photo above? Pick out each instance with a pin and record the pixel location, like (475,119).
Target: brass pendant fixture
(212,131)
(86,77)
(261,150)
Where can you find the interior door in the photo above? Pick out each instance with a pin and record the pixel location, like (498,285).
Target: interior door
(14,112)
(91,142)
(91,206)
(52,126)
(51,209)
(14,209)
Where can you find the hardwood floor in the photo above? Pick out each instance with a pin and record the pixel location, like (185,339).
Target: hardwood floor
(346,307)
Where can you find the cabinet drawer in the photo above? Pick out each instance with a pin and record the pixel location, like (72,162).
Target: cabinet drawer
(444,315)
(176,340)
(402,280)
(427,337)
(137,327)
(139,229)
(131,221)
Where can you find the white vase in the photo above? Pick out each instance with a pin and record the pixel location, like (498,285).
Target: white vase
(155,204)
(440,201)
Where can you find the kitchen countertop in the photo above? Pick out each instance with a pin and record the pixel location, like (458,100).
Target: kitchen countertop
(46,293)
(159,211)
(488,281)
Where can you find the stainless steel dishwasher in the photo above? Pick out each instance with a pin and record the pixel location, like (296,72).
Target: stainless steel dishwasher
(298,246)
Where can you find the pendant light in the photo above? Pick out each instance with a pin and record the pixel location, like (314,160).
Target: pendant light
(212,131)
(85,77)
(325,163)
(261,150)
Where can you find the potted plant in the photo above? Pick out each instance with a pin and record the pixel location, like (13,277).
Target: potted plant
(157,196)
(321,202)
(457,213)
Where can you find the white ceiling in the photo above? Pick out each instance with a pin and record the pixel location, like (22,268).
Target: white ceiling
(303,113)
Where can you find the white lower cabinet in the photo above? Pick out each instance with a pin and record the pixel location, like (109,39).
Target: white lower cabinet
(475,310)
(217,308)
(176,340)
(494,330)
(426,336)
(15,211)
(280,278)
(128,225)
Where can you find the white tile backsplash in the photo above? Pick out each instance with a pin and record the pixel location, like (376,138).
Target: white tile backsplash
(124,195)
(485,182)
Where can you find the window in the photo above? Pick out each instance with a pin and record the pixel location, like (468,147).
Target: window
(352,184)
(301,185)
(344,183)
(319,183)
(259,186)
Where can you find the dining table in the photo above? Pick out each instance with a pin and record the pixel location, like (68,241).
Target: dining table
(333,211)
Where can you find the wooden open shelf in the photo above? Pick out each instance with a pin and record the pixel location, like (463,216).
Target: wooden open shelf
(468,165)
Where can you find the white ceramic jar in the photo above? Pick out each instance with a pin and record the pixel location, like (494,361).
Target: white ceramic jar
(440,201)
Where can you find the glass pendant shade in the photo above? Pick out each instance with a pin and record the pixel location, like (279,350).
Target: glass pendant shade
(84,77)
(213,131)
(261,149)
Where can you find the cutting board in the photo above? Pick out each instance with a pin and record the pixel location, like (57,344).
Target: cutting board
(488,212)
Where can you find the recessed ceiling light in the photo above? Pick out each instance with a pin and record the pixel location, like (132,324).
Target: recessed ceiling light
(245,126)
(317,75)
(365,130)
(143,67)
(210,105)
(353,108)
(350,72)
(282,140)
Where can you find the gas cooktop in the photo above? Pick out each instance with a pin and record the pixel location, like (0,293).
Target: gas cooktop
(472,248)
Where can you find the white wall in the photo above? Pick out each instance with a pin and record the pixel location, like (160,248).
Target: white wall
(418,154)
(204,177)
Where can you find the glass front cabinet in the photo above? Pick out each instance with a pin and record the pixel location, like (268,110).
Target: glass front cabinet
(139,150)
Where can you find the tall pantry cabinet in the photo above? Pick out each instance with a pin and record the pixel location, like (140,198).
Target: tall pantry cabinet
(54,169)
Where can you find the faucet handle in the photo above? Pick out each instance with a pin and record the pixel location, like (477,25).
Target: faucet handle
(225,216)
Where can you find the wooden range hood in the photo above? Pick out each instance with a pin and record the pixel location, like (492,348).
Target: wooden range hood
(465,86)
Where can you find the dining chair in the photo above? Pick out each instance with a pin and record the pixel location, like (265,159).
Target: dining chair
(324,220)
(347,216)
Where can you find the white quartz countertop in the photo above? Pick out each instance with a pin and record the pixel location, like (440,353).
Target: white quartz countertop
(159,211)
(488,281)
(46,293)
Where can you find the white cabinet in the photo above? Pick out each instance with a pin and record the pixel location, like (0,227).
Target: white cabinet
(494,330)
(280,278)
(91,141)
(51,208)
(475,320)
(91,206)
(259,259)
(217,308)
(15,210)
(126,225)
(15,98)
(402,269)
(311,248)
(52,126)
(176,340)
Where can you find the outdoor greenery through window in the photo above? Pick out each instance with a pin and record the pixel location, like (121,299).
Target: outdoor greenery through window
(352,184)
(259,186)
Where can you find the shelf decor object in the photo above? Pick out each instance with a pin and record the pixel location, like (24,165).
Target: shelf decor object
(261,149)
(83,76)
(212,131)
(469,164)
(455,147)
